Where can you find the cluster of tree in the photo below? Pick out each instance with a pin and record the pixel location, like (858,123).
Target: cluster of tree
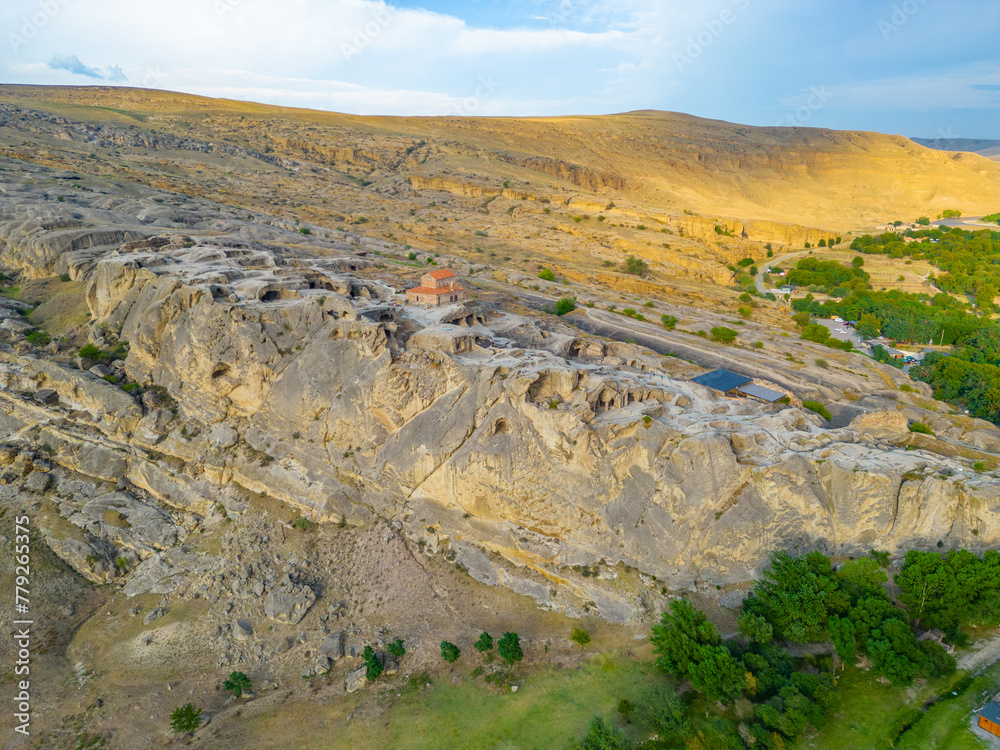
(508,648)
(828,276)
(900,316)
(970,260)
(969,376)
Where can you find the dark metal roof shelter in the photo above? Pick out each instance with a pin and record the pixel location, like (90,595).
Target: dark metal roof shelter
(759,391)
(990,712)
(722,380)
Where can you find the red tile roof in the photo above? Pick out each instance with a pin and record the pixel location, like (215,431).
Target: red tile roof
(439,291)
(443,273)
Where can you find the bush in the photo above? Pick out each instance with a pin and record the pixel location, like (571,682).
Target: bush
(484,643)
(546,274)
(801,319)
(237,683)
(303,524)
(396,648)
(91,352)
(669,321)
(635,266)
(580,637)
(816,406)
(305,230)
(450,652)
(372,662)
(412,256)
(565,305)
(38,338)
(816,333)
(64,277)
(509,648)
(823,363)
(921,428)
(185,718)
(724,335)
(601,736)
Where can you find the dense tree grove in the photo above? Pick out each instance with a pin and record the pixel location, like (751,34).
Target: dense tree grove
(772,698)
(828,276)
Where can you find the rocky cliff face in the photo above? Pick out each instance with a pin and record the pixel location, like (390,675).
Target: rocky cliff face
(518,446)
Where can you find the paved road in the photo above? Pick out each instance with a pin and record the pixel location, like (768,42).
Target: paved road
(767,267)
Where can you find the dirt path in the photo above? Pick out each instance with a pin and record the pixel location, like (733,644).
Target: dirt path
(975,661)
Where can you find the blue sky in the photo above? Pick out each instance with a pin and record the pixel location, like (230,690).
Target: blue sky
(926,68)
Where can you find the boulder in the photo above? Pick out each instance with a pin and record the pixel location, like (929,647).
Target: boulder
(38,481)
(356,679)
(288,604)
(47,396)
(155,614)
(285,645)
(323,664)
(242,630)
(333,646)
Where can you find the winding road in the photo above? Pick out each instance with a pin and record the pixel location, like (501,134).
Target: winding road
(767,267)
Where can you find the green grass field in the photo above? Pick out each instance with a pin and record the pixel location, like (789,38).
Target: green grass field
(549,708)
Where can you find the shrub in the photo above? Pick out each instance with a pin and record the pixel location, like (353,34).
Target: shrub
(724,335)
(635,266)
(921,428)
(185,718)
(509,648)
(91,352)
(480,233)
(648,304)
(816,333)
(979,467)
(823,363)
(484,643)
(396,648)
(580,637)
(305,230)
(816,406)
(64,277)
(801,319)
(237,683)
(412,256)
(303,524)
(745,311)
(38,338)
(565,305)
(372,662)
(546,274)
(450,652)
(669,321)
(758,344)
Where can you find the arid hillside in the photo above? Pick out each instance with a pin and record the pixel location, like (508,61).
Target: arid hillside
(659,163)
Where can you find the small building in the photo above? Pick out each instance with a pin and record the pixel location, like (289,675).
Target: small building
(739,386)
(989,718)
(437,288)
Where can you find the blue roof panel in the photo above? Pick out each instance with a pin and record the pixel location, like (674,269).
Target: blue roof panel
(721,380)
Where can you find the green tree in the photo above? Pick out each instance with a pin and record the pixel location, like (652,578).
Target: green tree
(801,319)
(509,648)
(546,274)
(484,643)
(857,261)
(450,652)
(237,683)
(186,718)
(797,595)
(372,663)
(625,708)
(724,335)
(580,637)
(816,333)
(690,647)
(842,635)
(669,321)
(396,649)
(863,576)
(754,628)
(601,736)
(565,305)
(667,713)
(868,326)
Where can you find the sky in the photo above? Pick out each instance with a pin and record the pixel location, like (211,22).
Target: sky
(924,68)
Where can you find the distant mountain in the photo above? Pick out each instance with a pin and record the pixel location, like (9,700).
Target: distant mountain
(981,146)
